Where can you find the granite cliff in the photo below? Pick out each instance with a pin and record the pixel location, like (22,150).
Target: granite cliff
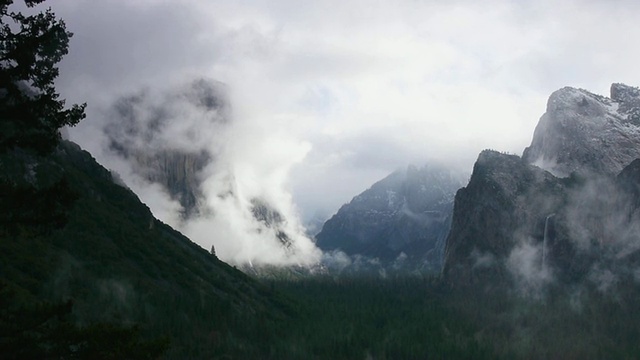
(162,146)
(566,212)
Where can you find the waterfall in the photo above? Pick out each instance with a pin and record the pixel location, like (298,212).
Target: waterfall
(546,237)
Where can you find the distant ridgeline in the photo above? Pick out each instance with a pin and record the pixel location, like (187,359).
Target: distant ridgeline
(567,212)
(400,223)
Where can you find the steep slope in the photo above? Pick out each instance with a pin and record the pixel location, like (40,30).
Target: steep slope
(547,266)
(629,180)
(504,204)
(69,232)
(585,132)
(403,217)
(516,226)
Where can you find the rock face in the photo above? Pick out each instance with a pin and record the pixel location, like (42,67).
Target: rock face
(584,132)
(629,180)
(518,225)
(504,204)
(162,146)
(271,218)
(404,217)
(178,172)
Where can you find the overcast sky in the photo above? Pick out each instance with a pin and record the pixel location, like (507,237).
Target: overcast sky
(344,92)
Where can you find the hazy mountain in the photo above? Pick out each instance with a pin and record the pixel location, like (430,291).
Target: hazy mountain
(153,132)
(176,139)
(403,218)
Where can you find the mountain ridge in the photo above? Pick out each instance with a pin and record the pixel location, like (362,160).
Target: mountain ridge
(105,250)
(522,223)
(402,219)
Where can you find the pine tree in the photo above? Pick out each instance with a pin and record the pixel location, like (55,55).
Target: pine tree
(31,112)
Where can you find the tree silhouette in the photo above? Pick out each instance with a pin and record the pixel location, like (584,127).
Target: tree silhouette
(31,112)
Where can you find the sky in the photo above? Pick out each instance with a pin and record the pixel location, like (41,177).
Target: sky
(331,96)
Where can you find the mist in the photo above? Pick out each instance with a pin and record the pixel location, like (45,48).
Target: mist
(207,172)
(591,243)
(329,97)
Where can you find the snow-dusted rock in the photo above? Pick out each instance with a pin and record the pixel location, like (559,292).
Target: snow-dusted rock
(518,228)
(405,215)
(584,132)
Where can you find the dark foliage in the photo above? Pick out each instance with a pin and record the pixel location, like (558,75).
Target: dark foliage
(31,112)
(124,267)
(356,318)
(568,322)
(43,331)
(39,210)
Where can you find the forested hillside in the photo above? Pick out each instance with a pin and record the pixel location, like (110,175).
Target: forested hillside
(70,232)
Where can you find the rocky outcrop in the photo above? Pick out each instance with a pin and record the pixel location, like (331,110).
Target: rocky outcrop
(504,204)
(404,217)
(178,172)
(587,133)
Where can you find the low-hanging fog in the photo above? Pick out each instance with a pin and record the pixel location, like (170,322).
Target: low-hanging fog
(328,97)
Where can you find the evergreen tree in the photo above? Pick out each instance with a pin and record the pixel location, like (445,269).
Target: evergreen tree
(31,112)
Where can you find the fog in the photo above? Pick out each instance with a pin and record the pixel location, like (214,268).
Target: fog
(330,96)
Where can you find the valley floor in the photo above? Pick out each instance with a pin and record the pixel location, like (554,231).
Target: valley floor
(417,318)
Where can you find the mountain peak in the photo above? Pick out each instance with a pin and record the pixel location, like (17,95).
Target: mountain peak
(403,216)
(587,133)
(579,101)
(624,93)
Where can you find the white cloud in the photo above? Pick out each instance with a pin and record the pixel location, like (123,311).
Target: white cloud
(428,79)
